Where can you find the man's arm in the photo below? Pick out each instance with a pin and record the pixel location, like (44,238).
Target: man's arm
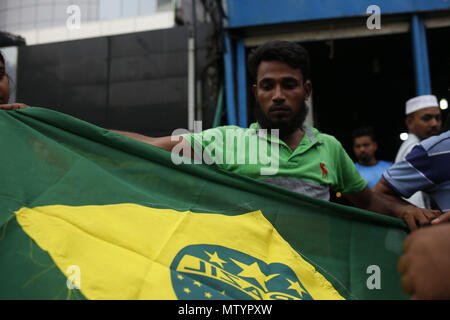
(384,189)
(369,200)
(12,106)
(166,143)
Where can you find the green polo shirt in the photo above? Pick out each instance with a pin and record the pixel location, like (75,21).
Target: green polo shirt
(318,164)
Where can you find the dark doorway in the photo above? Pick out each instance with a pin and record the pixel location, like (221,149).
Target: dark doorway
(439,57)
(362,82)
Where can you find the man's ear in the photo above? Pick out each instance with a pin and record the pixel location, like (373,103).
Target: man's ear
(409,121)
(254,90)
(308,89)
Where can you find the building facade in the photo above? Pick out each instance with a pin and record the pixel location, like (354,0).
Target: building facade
(44,21)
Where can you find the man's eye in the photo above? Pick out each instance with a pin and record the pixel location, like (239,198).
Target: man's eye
(289,85)
(265,87)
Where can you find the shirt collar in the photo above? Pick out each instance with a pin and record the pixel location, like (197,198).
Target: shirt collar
(309,139)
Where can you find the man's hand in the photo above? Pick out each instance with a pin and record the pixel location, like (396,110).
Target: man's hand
(12,106)
(408,212)
(413,215)
(372,201)
(425,264)
(443,218)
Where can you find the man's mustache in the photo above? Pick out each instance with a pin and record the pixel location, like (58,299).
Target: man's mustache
(279,107)
(434,132)
(363,155)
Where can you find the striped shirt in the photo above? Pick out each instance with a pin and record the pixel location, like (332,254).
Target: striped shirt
(426,168)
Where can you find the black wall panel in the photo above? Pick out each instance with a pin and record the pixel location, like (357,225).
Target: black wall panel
(134,82)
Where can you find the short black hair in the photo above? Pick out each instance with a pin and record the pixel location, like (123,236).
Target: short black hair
(2,59)
(291,53)
(364,132)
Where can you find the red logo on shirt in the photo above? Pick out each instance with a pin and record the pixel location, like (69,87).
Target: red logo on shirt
(324,171)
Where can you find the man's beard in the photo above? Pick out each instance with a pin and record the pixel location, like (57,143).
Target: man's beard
(364,158)
(285,127)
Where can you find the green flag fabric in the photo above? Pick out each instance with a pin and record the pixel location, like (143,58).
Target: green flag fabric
(86,213)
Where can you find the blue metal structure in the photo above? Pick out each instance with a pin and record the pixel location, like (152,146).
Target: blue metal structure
(242,14)
(420,53)
(229,81)
(241,82)
(245,13)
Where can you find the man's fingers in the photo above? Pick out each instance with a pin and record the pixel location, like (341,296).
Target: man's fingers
(411,222)
(403,263)
(432,214)
(20,106)
(408,285)
(12,106)
(407,243)
(443,218)
(422,218)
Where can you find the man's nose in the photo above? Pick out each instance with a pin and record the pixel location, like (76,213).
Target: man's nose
(434,122)
(278,94)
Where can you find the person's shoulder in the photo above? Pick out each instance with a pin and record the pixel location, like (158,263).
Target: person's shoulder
(358,166)
(385,164)
(406,147)
(440,143)
(325,138)
(252,127)
(412,141)
(316,133)
(224,129)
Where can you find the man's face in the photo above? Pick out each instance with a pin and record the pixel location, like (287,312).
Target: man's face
(364,148)
(280,93)
(425,123)
(4,85)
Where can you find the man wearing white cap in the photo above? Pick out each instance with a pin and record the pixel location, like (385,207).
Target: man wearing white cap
(423,119)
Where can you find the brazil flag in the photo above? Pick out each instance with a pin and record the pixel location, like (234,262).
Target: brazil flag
(86,213)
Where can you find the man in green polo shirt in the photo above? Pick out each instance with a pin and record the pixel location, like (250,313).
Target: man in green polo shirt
(316,166)
(279,148)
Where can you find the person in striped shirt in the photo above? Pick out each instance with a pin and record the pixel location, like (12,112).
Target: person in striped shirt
(426,168)
(425,262)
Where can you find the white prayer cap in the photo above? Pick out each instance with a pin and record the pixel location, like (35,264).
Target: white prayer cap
(421,102)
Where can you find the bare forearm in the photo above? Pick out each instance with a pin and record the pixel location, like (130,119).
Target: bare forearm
(382,188)
(369,200)
(166,143)
(390,206)
(136,136)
